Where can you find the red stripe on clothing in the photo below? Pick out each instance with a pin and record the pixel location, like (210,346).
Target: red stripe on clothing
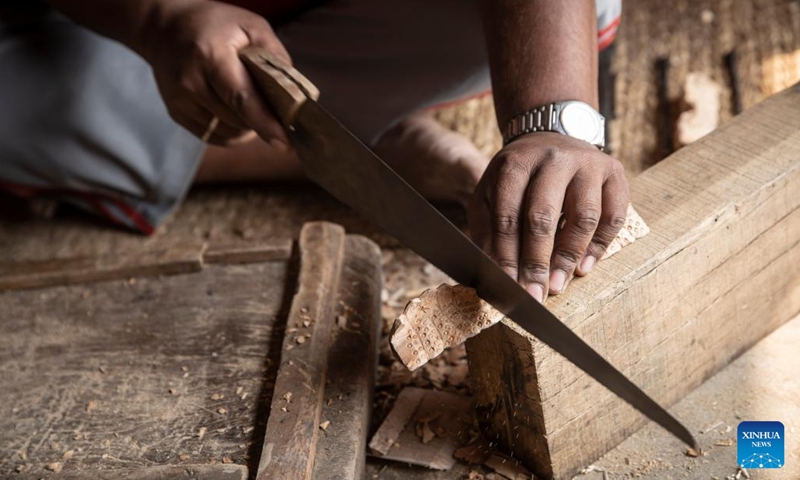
(609,27)
(96,200)
(135,217)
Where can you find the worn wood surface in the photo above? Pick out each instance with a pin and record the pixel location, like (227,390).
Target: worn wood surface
(240,216)
(291,438)
(183,472)
(352,364)
(717,273)
(68,271)
(125,375)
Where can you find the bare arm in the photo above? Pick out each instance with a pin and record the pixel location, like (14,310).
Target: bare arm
(543,51)
(540,51)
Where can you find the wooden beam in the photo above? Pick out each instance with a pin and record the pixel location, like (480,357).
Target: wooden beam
(319,418)
(717,273)
(291,436)
(352,364)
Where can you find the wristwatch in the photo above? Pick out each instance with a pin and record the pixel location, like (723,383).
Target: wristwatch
(571,118)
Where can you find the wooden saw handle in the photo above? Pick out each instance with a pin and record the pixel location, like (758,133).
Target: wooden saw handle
(282,85)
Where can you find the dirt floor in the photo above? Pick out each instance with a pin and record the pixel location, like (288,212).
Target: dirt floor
(695,37)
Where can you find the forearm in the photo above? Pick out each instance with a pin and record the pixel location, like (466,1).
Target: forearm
(122,20)
(540,51)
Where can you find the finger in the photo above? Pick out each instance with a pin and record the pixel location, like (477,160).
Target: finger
(198,120)
(478,218)
(506,202)
(545,197)
(582,209)
(612,219)
(229,140)
(261,34)
(232,83)
(196,90)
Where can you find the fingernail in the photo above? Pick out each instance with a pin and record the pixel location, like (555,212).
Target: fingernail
(536,292)
(558,280)
(587,263)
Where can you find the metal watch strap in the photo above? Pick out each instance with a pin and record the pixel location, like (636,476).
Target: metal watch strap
(540,119)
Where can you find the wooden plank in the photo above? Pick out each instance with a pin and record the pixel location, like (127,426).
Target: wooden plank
(425,427)
(291,436)
(182,472)
(716,274)
(165,371)
(352,365)
(183,258)
(233,254)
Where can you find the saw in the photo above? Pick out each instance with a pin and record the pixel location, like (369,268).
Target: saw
(341,164)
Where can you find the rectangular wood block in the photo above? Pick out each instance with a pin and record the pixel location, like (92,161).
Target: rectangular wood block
(718,272)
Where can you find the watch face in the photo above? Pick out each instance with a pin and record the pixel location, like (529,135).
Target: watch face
(580,120)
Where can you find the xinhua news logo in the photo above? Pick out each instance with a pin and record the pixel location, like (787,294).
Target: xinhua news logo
(760,444)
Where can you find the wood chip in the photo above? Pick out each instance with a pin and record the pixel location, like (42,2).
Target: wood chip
(68,455)
(300,340)
(227,460)
(507,467)
(217,396)
(474,453)
(222,410)
(288,397)
(427,433)
(691,452)
(324,425)
(201,432)
(91,406)
(724,442)
(54,467)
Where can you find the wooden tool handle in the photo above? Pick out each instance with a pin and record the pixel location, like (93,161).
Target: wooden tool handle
(284,88)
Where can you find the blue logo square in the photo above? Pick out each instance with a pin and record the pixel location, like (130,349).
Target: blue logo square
(760,444)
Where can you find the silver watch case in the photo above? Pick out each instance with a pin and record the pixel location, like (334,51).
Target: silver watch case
(579,120)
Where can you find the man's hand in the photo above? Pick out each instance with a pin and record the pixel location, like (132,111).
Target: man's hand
(193,46)
(515,214)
